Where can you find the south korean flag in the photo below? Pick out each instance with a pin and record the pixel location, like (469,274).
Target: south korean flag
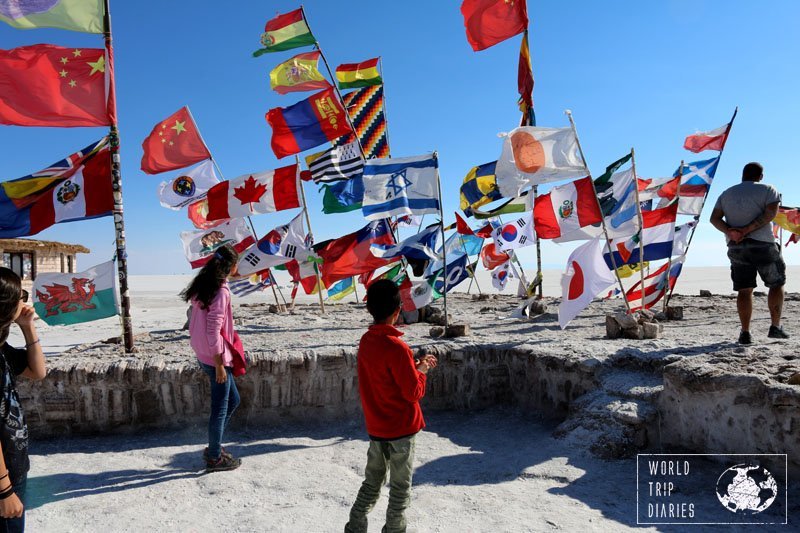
(516,234)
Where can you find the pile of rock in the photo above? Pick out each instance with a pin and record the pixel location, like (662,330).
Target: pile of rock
(639,325)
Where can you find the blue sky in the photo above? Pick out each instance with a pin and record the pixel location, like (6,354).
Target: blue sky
(641,74)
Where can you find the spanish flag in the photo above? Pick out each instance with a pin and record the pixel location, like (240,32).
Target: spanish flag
(354,75)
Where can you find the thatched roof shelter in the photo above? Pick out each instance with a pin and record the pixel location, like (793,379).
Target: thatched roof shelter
(31,245)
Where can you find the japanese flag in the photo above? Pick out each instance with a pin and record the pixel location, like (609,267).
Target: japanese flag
(515,234)
(587,276)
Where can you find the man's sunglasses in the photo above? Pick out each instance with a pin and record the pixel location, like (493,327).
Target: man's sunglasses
(24,296)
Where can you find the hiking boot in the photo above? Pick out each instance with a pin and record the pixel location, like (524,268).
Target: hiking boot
(776,332)
(745,337)
(223,452)
(225,462)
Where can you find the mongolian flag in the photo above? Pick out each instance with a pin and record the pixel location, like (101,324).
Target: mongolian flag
(31,204)
(76,15)
(355,75)
(285,32)
(173,143)
(48,85)
(489,22)
(366,110)
(306,124)
(300,73)
(351,255)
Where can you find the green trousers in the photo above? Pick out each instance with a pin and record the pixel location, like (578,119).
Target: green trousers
(397,457)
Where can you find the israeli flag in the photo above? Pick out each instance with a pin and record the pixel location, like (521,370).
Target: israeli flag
(420,246)
(400,186)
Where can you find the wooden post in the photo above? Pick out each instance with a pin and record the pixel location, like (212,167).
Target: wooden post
(308,222)
(116,178)
(444,248)
(641,227)
(599,207)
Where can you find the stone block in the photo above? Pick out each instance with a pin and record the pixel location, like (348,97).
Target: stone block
(651,330)
(457,330)
(613,329)
(537,307)
(436,332)
(705,294)
(674,313)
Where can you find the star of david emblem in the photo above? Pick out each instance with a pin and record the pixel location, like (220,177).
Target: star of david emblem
(397,184)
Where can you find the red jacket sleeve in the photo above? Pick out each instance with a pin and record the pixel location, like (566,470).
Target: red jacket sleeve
(410,380)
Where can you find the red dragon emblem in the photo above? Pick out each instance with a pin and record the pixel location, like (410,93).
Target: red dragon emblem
(62,299)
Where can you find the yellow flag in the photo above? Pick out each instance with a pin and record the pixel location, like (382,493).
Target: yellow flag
(299,73)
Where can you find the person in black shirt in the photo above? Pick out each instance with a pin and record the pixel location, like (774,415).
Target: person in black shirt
(28,362)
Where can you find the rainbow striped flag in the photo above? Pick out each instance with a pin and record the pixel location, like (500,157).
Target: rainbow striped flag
(355,75)
(366,109)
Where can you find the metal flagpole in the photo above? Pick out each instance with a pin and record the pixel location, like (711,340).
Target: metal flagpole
(669,263)
(473,272)
(308,222)
(641,226)
(116,177)
(222,176)
(599,207)
(469,267)
(444,248)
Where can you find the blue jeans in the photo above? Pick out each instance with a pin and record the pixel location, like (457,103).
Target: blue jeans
(224,401)
(15,525)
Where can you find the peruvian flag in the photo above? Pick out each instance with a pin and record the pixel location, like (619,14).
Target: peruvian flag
(587,276)
(656,286)
(254,194)
(566,208)
(709,140)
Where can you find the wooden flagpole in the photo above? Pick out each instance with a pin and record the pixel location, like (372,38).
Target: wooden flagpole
(708,189)
(669,263)
(469,266)
(308,222)
(116,178)
(641,227)
(599,207)
(222,176)
(444,248)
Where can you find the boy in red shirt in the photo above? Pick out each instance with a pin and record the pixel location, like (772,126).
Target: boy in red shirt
(391,383)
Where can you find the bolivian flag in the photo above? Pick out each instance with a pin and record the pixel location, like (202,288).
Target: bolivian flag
(354,75)
(76,15)
(285,32)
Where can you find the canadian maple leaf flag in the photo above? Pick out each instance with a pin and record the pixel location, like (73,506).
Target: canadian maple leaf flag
(254,194)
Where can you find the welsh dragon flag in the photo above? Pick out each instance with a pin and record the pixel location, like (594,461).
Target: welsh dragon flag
(63,299)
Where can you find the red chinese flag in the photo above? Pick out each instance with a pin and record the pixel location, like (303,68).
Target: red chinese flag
(489,22)
(174,143)
(48,85)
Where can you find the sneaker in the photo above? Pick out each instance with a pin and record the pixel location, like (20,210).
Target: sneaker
(223,452)
(225,462)
(745,338)
(776,332)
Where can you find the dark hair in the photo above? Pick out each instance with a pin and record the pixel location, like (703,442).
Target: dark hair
(383,299)
(206,283)
(10,294)
(752,172)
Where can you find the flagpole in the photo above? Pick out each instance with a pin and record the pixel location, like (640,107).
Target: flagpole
(308,222)
(641,225)
(222,176)
(512,255)
(708,190)
(355,288)
(469,267)
(599,207)
(669,263)
(116,178)
(335,86)
(444,247)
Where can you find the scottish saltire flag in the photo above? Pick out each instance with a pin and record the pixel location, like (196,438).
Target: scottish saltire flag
(341,289)
(695,183)
(63,299)
(249,285)
(400,186)
(420,246)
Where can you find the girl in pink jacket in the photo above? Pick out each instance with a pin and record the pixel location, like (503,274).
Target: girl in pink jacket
(217,346)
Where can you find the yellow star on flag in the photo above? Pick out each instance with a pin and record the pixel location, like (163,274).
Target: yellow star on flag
(178,127)
(63,73)
(98,66)
(76,53)
(72,83)
(63,60)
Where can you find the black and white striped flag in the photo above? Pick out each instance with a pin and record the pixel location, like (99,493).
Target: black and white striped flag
(336,164)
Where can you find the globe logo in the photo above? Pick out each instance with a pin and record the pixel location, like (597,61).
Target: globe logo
(746,489)
(509,233)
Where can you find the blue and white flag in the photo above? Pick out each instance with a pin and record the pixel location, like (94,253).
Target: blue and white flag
(456,245)
(420,246)
(249,285)
(457,271)
(400,186)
